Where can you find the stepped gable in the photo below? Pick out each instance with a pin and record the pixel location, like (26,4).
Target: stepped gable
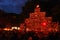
(37,21)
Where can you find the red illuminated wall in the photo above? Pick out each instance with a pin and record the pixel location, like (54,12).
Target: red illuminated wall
(37,21)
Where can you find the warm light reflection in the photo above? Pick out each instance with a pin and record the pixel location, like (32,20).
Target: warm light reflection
(18,28)
(6,29)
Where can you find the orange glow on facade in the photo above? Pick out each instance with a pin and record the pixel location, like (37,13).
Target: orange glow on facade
(7,29)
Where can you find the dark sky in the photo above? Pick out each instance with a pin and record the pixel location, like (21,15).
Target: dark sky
(13,6)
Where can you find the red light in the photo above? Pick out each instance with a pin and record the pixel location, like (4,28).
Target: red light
(44,23)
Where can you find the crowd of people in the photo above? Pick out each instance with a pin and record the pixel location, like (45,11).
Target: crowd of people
(16,35)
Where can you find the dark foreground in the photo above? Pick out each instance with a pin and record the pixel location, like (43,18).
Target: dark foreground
(16,35)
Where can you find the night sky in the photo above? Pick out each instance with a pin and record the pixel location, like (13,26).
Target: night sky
(13,6)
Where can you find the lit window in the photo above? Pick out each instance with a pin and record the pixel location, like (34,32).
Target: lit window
(14,27)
